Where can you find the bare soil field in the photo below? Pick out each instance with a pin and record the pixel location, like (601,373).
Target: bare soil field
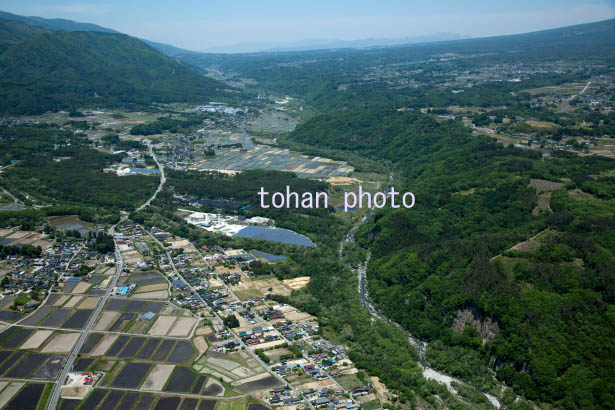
(381,389)
(222,363)
(276,286)
(183,244)
(106,318)
(297,283)
(37,339)
(9,392)
(106,270)
(299,316)
(132,257)
(152,288)
(275,355)
(162,325)
(61,301)
(544,185)
(341,181)
(73,301)
(81,287)
(61,343)
(182,327)
(104,345)
(201,344)
(268,344)
(319,384)
(213,388)
(158,377)
(89,302)
(242,372)
(160,294)
(18,235)
(206,330)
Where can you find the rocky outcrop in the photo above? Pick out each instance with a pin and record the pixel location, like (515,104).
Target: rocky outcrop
(470,316)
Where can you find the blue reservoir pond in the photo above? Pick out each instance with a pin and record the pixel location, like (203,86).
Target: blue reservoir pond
(274,235)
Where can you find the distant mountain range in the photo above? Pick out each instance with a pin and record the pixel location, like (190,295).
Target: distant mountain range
(304,45)
(51,64)
(321,44)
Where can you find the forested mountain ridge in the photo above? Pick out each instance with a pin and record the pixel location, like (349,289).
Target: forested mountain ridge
(12,32)
(552,298)
(57,70)
(55,24)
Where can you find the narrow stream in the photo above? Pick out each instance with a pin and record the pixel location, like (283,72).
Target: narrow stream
(420,346)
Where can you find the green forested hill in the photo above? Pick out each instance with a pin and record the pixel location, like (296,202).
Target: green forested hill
(58,70)
(54,24)
(12,32)
(553,298)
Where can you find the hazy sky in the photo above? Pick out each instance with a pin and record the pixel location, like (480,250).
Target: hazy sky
(202,24)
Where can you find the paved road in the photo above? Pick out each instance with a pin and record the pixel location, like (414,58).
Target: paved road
(585,89)
(163,179)
(70,361)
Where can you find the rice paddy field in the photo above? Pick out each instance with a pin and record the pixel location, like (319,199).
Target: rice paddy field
(105,346)
(117,399)
(276,159)
(70,223)
(32,354)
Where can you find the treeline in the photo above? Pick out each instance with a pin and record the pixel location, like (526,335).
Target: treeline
(25,250)
(162,124)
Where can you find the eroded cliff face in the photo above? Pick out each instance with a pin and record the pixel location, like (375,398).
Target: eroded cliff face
(470,316)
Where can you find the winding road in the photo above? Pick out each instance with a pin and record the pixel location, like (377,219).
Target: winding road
(163,178)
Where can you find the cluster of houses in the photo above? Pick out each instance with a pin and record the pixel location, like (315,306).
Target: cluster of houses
(258,335)
(326,398)
(295,330)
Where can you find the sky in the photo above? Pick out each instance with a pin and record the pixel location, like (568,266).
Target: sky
(202,25)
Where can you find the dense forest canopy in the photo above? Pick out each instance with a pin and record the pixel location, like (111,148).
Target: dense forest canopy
(475,201)
(57,166)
